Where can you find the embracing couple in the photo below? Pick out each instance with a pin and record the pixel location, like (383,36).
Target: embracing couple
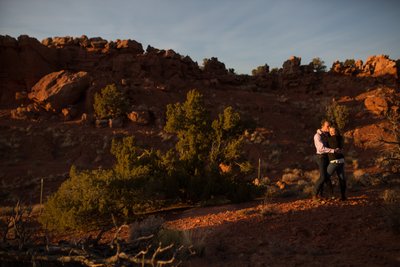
(330,159)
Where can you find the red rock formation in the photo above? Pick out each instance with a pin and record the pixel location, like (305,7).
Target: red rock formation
(58,90)
(381,65)
(375,66)
(25,61)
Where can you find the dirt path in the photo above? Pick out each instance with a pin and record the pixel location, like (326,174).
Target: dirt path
(293,233)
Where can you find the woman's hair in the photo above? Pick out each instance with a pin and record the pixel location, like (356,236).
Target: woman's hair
(336,129)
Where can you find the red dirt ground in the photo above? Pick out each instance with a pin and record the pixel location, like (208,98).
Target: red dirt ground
(297,232)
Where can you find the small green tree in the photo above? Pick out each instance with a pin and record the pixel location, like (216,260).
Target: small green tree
(338,115)
(190,122)
(227,141)
(202,146)
(110,103)
(318,64)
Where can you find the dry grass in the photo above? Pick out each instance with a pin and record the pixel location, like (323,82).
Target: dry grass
(193,241)
(149,226)
(268,209)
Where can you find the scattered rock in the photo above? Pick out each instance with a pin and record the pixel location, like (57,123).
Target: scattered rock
(140,117)
(225,168)
(31,111)
(281,185)
(69,113)
(116,122)
(86,119)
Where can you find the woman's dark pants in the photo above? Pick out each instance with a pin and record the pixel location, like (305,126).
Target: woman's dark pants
(339,169)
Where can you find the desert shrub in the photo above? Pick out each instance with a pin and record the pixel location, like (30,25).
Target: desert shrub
(274,71)
(318,64)
(149,226)
(391,196)
(291,176)
(89,198)
(349,63)
(268,209)
(286,192)
(192,241)
(338,115)
(260,70)
(110,103)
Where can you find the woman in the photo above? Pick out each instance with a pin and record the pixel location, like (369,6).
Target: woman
(336,160)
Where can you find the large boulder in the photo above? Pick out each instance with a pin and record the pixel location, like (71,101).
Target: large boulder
(60,89)
(378,101)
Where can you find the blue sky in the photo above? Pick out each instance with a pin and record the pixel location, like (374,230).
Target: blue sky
(242,34)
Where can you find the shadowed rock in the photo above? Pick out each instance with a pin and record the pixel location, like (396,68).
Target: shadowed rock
(60,89)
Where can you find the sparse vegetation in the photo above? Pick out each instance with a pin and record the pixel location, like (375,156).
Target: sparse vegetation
(338,115)
(85,201)
(90,198)
(260,70)
(267,209)
(17,225)
(110,103)
(193,241)
(274,71)
(318,64)
(151,225)
(349,63)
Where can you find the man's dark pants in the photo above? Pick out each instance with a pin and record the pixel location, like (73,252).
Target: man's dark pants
(322,162)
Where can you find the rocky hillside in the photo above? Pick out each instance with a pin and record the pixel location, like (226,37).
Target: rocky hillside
(46,101)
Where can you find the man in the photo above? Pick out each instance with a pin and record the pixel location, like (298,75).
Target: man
(322,150)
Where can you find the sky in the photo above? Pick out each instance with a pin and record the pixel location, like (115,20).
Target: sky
(242,34)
